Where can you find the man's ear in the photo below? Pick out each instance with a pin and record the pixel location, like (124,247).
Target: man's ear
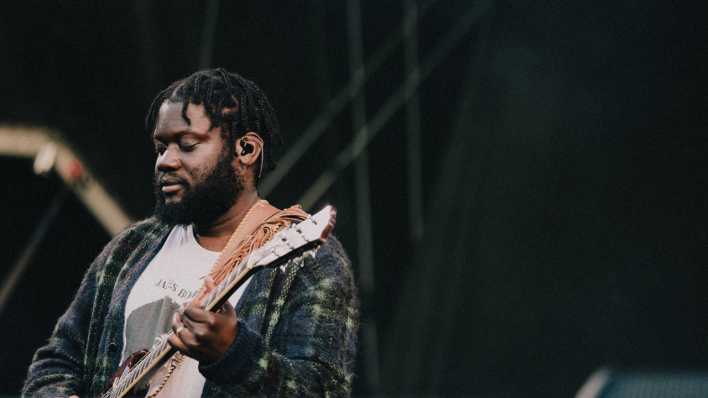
(249,148)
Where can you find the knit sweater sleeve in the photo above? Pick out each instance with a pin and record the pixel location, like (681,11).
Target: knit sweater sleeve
(57,368)
(313,345)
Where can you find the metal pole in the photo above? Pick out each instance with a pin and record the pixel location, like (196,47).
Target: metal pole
(426,304)
(210,18)
(363,202)
(393,103)
(415,190)
(148,46)
(335,106)
(450,297)
(20,266)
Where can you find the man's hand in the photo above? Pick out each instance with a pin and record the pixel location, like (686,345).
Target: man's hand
(204,335)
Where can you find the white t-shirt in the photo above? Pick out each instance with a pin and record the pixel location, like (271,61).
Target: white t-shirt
(173,277)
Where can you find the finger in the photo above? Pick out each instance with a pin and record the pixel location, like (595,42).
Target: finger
(198,302)
(226,318)
(196,314)
(178,327)
(201,333)
(209,283)
(177,343)
(227,308)
(184,329)
(195,327)
(177,322)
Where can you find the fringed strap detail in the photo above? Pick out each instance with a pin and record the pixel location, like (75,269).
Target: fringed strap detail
(258,238)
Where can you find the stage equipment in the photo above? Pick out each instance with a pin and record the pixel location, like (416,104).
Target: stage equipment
(606,383)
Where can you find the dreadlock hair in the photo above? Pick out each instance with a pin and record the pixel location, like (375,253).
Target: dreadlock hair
(231,102)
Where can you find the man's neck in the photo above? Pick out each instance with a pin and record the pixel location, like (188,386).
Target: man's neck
(215,235)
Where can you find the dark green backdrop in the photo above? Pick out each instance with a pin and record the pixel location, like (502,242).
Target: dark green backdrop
(563,167)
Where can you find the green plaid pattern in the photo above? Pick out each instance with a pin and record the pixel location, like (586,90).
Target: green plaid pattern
(297,328)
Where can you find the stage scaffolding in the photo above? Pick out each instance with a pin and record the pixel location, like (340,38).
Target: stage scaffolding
(52,154)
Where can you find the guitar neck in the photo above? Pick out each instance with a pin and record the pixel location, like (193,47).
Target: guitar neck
(228,287)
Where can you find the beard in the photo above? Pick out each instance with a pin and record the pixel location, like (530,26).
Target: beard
(212,195)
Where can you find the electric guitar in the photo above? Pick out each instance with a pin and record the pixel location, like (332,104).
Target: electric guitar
(286,244)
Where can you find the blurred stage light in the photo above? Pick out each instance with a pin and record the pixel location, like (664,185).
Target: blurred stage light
(49,152)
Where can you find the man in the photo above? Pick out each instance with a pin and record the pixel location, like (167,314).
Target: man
(293,332)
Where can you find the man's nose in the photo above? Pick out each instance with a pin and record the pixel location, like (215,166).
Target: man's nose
(168,160)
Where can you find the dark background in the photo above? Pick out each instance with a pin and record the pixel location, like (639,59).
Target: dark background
(563,161)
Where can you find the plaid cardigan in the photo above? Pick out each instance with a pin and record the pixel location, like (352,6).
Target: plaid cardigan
(297,328)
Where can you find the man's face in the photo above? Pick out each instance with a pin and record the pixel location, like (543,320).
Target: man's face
(195,181)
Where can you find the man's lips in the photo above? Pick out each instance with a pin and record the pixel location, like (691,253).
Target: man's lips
(168,185)
(171,188)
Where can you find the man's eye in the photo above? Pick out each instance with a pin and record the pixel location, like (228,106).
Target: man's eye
(187,147)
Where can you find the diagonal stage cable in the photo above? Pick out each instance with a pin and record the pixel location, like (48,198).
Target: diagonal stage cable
(339,101)
(367,132)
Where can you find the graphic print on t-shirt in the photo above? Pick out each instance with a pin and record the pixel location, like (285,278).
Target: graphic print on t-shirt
(173,278)
(181,291)
(148,321)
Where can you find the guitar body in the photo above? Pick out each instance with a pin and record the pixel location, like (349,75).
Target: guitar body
(155,384)
(128,363)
